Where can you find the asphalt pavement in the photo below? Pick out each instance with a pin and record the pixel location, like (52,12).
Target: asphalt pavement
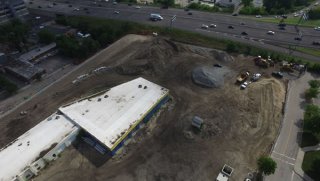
(287,145)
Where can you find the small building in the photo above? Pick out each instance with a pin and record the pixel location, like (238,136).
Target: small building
(23,158)
(228,3)
(34,55)
(113,117)
(12,9)
(24,71)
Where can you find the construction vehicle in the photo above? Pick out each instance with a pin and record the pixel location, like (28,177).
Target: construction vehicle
(265,63)
(286,67)
(243,77)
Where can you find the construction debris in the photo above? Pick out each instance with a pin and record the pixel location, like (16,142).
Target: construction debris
(265,63)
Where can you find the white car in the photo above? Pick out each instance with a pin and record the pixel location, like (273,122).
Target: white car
(116,12)
(137,7)
(76,9)
(316,4)
(317,28)
(213,26)
(203,26)
(258,16)
(270,32)
(244,85)
(295,14)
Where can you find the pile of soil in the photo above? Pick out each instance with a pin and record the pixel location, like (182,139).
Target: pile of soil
(208,76)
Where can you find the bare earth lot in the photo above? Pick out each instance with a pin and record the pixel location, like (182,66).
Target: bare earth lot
(239,126)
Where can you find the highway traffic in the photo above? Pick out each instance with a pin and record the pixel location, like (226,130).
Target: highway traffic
(256,32)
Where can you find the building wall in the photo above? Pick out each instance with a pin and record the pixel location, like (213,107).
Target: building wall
(34,168)
(146,119)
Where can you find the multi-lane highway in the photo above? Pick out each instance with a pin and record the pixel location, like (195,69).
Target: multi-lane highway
(257,31)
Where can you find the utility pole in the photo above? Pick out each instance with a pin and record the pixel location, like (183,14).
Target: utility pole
(174,17)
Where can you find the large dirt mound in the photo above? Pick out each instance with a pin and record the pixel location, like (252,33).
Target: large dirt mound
(209,76)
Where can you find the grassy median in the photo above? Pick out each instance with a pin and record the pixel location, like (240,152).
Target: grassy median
(310,164)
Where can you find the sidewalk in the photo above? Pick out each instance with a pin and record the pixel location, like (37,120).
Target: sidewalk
(299,160)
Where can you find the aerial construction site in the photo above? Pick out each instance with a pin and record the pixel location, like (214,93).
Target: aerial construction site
(239,120)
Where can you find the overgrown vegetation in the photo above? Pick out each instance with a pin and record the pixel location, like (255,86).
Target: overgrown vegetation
(46,37)
(250,10)
(311,129)
(14,33)
(311,164)
(7,85)
(314,13)
(266,165)
(284,6)
(203,7)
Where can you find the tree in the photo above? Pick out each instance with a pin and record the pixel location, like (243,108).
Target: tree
(246,2)
(314,13)
(315,168)
(231,47)
(46,36)
(314,83)
(266,165)
(312,118)
(312,93)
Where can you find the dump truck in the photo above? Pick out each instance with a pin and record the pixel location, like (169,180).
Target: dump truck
(243,77)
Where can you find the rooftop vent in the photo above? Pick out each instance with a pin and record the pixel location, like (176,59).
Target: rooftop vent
(106,96)
(99,99)
(145,87)
(140,86)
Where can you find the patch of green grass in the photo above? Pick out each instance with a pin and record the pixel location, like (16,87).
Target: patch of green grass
(308,139)
(310,51)
(308,160)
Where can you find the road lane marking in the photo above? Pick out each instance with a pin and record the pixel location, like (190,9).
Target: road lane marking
(292,175)
(284,155)
(284,161)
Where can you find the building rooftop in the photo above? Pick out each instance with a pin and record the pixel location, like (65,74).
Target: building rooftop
(26,149)
(36,52)
(110,116)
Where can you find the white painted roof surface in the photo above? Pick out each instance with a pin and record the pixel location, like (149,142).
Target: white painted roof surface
(110,119)
(222,177)
(24,150)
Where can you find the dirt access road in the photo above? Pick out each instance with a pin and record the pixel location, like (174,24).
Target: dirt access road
(239,125)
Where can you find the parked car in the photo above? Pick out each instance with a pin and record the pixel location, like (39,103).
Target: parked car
(258,16)
(244,85)
(316,42)
(203,26)
(213,26)
(277,74)
(298,38)
(270,32)
(244,33)
(317,28)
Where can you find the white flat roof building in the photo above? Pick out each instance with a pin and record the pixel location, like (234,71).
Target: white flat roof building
(25,150)
(111,116)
